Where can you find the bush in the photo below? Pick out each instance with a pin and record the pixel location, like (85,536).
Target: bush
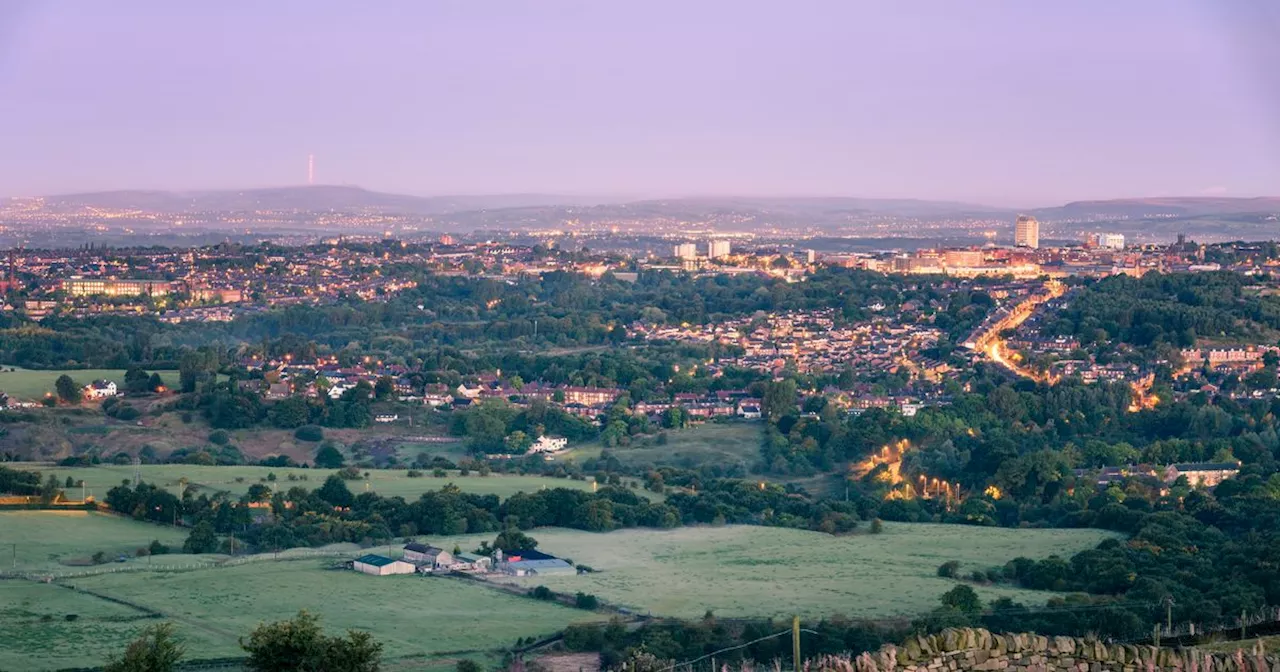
(311,433)
(439,473)
(585,601)
(949,569)
(157,548)
(71,617)
(99,558)
(465,665)
(414,473)
(877,526)
(542,593)
(219,437)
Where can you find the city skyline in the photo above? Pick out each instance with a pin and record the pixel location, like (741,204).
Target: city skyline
(998,103)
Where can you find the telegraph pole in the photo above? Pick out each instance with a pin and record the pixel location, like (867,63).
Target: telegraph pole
(795,642)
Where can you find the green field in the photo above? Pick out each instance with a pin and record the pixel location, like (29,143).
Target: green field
(386,482)
(720,443)
(53,539)
(746,571)
(28,384)
(410,615)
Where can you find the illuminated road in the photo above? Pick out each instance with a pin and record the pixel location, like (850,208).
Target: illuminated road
(991,344)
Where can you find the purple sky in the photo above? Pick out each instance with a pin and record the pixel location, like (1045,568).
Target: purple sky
(1003,102)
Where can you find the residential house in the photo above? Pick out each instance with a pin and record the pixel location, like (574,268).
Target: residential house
(100,389)
(546,444)
(379,565)
(1202,474)
(279,391)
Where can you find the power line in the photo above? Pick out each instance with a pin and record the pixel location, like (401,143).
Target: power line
(734,648)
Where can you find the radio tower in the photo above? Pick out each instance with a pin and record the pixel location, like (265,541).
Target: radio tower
(311,169)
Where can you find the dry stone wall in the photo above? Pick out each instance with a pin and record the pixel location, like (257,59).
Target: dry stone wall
(976,650)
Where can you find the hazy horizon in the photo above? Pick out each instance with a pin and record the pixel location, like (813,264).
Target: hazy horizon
(995,103)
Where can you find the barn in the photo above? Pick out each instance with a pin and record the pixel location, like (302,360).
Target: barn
(379,565)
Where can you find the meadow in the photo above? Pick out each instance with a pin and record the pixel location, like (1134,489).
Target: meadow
(410,615)
(237,479)
(747,571)
(726,444)
(33,384)
(54,539)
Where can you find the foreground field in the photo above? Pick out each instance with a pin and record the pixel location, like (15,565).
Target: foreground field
(236,480)
(29,384)
(37,540)
(411,616)
(745,571)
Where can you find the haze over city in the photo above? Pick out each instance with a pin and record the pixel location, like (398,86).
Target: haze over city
(1001,103)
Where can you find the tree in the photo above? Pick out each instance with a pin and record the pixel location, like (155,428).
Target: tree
(135,381)
(67,388)
(300,644)
(309,433)
(289,413)
(962,598)
(156,650)
(335,492)
(202,539)
(509,541)
(155,383)
(779,399)
(516,442)
(384,387)
(329,457)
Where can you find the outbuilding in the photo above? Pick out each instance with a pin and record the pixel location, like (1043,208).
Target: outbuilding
(380,565)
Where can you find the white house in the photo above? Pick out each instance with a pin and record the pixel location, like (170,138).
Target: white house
(546,444)
(100,389)
(381,566)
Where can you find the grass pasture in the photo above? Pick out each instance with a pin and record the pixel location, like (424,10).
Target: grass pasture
(387,482)
(746,571)
(55,539)
(33,384)
(410,615)
(719,443)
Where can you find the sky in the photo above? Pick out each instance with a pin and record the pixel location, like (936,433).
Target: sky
(1002,102)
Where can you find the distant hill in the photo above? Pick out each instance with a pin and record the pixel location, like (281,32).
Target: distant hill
(1137,208)
(319,197)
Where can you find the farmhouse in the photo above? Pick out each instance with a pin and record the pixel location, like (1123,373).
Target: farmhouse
(428,556)
(381,566)
(100,389)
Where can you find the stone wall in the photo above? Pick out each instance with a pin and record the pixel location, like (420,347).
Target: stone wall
(976,650)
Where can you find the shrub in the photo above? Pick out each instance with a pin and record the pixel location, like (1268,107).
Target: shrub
(311,433)
(99,558)
(439,473)
(157,548)
(877,526)
(542,593)
(585,601)
(414,473)
(219,437)
(949,569)
(71,617)
(465,665)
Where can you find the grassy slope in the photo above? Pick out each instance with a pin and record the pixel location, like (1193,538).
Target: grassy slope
(49,539)
(719,443)
(758,571)
(386,482)
(28,384)
(410,615)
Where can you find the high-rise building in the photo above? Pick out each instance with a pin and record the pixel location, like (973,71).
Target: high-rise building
(685,251)
(811,256)
(717,249)
(1026,233)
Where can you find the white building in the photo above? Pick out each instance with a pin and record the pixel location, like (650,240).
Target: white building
(546,444)
(100,389)
(685,251)
(1026,232)
(717,249)
(381,566)
(1107,241)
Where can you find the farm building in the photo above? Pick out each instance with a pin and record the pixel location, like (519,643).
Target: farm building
(533,563)
(379,565)
(429,556)
(473,562)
